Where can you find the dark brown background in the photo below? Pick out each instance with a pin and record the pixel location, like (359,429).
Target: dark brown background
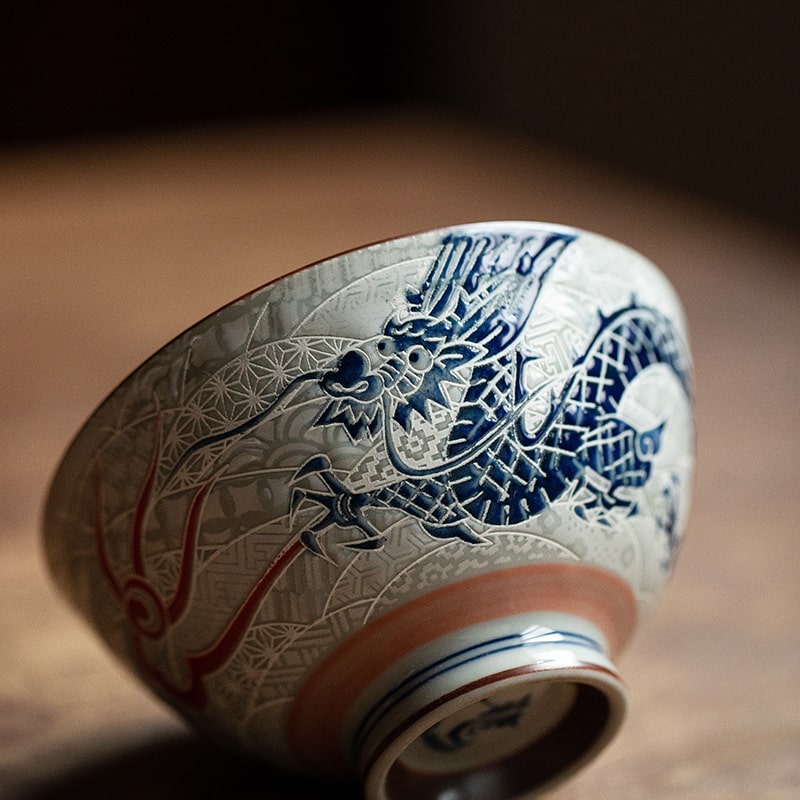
(702,95)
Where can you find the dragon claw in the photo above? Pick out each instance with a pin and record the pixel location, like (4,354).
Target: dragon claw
(310,541)
(339,509)
(297,499)
(370,543)
(313,466)
(298,495)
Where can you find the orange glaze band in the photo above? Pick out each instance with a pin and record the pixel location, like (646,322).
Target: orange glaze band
(330,691)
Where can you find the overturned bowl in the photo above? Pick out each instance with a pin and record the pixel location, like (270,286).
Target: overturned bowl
(396,513)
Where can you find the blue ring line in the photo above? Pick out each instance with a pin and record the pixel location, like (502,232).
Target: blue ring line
(467,655)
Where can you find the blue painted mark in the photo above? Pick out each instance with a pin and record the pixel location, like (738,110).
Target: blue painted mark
(459,658)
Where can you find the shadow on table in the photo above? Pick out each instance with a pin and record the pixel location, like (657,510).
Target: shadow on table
(180,766)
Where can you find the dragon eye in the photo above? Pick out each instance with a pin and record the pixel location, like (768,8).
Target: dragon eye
(386,347)
(419,358)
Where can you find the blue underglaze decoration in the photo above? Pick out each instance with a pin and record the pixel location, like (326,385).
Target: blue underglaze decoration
(458,344)
(459,658)
(489,715)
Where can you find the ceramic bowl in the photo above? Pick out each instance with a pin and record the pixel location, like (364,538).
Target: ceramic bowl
(396,513)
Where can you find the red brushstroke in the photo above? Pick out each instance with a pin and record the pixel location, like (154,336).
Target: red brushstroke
(202,664)
(99,532)
(211,659)
(140,512)
(180,599)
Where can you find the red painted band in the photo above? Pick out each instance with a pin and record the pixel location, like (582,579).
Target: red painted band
(331,690)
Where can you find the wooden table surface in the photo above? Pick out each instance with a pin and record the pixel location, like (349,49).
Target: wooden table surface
(107,250)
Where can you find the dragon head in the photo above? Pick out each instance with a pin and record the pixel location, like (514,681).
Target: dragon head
(403,370)
(474,300)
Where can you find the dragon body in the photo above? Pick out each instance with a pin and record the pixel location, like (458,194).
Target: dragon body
(458,346)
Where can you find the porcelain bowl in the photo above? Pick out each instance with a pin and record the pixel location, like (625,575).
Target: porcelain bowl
(397,513)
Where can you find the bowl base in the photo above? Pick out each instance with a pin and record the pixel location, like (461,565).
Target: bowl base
(505,715)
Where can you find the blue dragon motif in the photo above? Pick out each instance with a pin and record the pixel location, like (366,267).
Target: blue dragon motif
(458,344)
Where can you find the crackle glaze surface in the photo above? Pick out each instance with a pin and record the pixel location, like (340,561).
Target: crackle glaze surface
(362,432)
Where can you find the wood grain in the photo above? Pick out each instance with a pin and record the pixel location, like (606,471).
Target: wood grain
(109,249)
